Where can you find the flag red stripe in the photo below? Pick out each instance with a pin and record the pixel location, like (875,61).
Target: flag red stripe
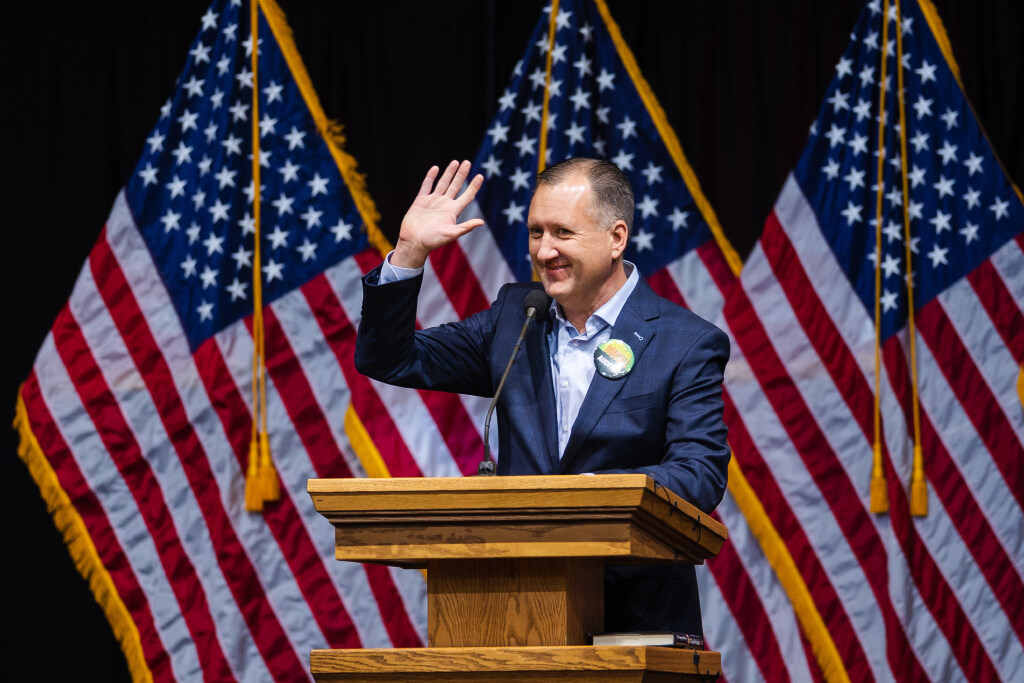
(311,425)
(367,260)
(117,437)
(663,285)
(815,451)
(281,517)
(714,261)
(974,395)
(392,607)
(844,371)
(939,599)
(812,663)
(100,531)
(458,280)
(297,397)
(962,510)
(744,602)
(456,426)
(341,337)
(240,575)
(778,509)
(1000,306)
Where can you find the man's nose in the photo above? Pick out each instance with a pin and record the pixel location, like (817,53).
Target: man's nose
(546,249)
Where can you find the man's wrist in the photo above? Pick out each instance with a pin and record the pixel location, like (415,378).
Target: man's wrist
(408,256)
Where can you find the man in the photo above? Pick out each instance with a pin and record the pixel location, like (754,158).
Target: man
(618,379)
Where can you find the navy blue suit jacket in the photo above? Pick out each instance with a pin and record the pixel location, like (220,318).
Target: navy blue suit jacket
(664,418)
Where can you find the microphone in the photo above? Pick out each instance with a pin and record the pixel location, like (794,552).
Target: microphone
(533,303)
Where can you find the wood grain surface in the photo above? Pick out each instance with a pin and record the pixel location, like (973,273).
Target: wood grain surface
(557,601)
(406,522)
(581,663)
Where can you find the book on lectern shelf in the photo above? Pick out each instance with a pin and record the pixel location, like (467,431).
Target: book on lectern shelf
(651,638)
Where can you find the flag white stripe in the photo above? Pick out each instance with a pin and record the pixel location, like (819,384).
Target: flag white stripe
(484,256)
(722,632)
(412,589)
(119,507)
(129,389)
(1007,261)
(349,579)
(699,290)
(433,307)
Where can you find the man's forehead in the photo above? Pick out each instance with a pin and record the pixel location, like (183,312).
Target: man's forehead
(565,197)
(575,185)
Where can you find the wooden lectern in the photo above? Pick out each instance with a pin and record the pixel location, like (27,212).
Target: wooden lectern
(514,572)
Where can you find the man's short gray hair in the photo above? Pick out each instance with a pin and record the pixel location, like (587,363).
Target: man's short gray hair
(611,194)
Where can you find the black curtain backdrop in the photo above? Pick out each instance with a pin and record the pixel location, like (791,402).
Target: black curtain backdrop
(414,83)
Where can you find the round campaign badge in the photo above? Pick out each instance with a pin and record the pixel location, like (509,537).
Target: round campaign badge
(614,359)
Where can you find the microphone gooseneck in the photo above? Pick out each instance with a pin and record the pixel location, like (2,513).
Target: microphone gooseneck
(533,303)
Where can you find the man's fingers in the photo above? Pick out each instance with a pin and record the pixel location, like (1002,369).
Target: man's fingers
(446,178)
(428,181)
(460,178)
(466,197)
(463,228)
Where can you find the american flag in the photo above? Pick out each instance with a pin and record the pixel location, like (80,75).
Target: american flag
(135,419)
(891,596)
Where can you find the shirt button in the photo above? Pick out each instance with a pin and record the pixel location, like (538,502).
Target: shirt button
(565,429)
(565,383)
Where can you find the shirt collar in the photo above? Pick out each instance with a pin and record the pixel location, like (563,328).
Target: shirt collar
(609,312)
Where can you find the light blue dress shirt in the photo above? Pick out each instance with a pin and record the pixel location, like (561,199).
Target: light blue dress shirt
(572,352)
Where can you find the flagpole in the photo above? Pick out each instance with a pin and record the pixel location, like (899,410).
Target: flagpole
(543,144)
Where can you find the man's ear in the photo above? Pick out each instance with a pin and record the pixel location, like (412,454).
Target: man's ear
(619,236)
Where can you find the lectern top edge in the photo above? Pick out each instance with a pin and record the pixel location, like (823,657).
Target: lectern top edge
(506,483)
(333,496)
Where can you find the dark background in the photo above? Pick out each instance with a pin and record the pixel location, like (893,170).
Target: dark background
(414,83)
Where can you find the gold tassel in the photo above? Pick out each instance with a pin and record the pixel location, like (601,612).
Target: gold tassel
(269,485)
(253,489)
(918,486)
(879,488)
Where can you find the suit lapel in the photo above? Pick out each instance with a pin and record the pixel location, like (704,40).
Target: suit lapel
(633,327)
(539,355)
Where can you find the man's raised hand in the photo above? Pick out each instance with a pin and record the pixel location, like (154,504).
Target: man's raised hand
(431,221)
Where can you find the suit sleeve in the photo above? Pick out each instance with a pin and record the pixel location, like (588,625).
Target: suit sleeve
(696,456)
(389,348)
